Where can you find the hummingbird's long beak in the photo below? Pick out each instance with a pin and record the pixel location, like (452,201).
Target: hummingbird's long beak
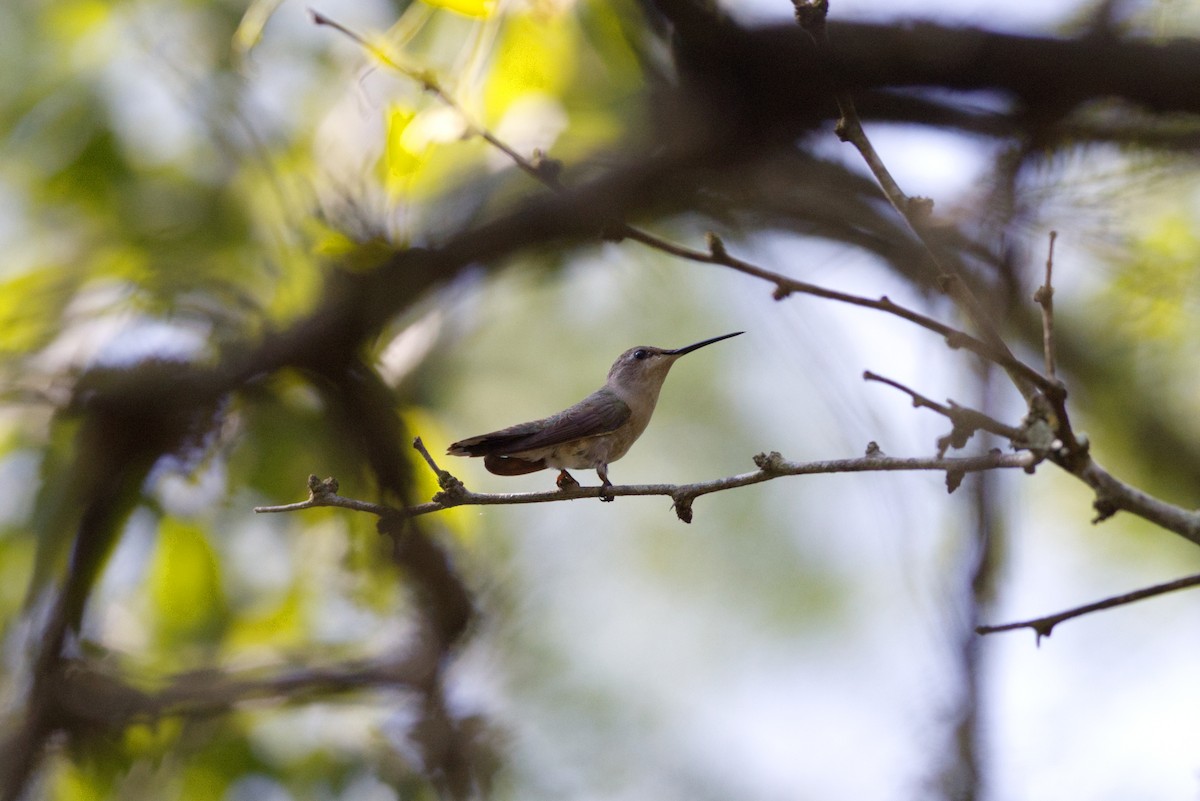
(698,345)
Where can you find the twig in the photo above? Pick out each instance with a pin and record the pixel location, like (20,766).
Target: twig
(1045,298)
(447,482)
(1114,495)
(324,493)
(784,286)
(419,447)
(430,84)
(811,15)
(961,416)
(1043,626)
(770,466)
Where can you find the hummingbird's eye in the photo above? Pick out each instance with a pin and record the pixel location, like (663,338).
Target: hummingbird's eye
(640,354)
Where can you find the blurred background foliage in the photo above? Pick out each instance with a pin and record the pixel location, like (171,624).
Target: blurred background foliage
(177,177)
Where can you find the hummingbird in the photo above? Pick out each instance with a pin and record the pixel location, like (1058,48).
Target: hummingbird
(591,434)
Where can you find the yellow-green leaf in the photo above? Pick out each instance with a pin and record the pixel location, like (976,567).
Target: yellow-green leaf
(185,583)
(468,8)
(536,55)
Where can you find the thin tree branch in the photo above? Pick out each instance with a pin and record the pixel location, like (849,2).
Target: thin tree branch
(963,417)
(1043,626)
(324,493)
(1114,495)
(770,466)
(811,15)
(430,84)
(784,286)
(1044,297)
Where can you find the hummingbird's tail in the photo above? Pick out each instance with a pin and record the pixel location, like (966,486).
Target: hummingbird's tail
(512,465)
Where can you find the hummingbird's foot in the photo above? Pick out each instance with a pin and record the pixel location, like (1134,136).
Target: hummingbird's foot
(605,485)
(566,481)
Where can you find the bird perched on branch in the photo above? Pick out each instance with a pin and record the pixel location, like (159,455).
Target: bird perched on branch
(591,434)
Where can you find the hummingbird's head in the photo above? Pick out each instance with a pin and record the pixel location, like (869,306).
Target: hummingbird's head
(641,368)
(644,368)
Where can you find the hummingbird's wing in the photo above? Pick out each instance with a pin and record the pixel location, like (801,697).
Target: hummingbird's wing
(598,413)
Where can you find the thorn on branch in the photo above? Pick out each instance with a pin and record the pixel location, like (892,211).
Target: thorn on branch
(716,246)
(954,478)
(548,169)
(842,130)
(811,14)
(1105,508)
(392,525)
(683,507)
(781,292)
(956,340)
(874,451)
(428,81)
(920,209)
(769,463)
(321,489)
(960,434)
